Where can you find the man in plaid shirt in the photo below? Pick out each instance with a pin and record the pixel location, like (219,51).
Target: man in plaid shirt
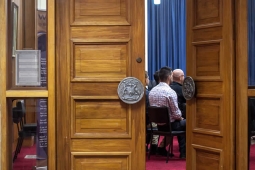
(163,95)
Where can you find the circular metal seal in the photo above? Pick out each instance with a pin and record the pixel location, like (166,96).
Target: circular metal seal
(130,90)
(188,88)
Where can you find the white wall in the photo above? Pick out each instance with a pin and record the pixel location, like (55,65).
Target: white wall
(146,38)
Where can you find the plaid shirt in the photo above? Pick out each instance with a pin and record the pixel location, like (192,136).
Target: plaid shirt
(163,95)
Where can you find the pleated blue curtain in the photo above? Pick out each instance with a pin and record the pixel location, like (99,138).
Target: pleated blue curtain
(166,35)
(251,42)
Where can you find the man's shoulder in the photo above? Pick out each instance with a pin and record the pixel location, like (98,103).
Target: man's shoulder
(154,90)
(175,84)
(157,90)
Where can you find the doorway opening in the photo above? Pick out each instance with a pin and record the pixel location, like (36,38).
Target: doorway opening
(251,85)
(165,39)
(27,71)
(30,133)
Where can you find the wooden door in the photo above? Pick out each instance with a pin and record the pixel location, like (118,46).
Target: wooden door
(211,61)
(97,44)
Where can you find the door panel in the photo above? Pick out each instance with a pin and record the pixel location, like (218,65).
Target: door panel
(210,61)
(97,43)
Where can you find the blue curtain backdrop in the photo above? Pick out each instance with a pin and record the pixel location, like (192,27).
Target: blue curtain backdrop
(166,35)
(251,43)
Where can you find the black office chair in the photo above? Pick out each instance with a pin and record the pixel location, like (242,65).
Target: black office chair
(28,127)
(24,130)
(161,115)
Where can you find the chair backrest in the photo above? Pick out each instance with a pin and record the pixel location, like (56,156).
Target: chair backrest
(17,117)
(251,115)
(251,108)
(21,106)
(159,115)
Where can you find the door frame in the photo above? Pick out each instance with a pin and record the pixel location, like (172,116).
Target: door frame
(5,161)
(5,142)
(241,11)
(51,57)
(241,81)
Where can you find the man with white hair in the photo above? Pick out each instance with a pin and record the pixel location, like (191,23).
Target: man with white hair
(176,85)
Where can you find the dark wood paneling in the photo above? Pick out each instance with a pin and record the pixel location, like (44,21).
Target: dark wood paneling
(101,12)
(95,34)
(207,59)
(94,89)
(29,24)
(207,12)
(91,145)
(100,160)
(207,158)
(206,34)
(100,118)
(209,88)
(100,61)
(96,48)
(241,26)
(63,102)
(208,114)
(210,61)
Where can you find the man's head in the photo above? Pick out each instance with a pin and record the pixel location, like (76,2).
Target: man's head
(165,75)
(147,80)
(156,77)
(178,76)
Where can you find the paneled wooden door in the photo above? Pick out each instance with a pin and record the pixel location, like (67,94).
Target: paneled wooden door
(97,44)
(211,61)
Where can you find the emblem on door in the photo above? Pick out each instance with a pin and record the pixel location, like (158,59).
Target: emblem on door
(188,88)
(130,90)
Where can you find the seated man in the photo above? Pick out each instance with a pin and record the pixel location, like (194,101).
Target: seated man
(147,81)
(156,77)
(154,82)
(176,85)
(163,95)
(147,104)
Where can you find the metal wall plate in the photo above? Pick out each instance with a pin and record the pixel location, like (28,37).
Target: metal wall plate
(188,88)
(28,68)
(130,90)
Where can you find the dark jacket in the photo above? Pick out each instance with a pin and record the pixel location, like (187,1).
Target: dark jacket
(177,87)
(147,104)
(152,84)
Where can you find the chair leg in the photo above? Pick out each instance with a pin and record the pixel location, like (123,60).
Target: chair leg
(170,146)
(172,138)
(164,141)
(149,154)
(21,143)
(16,150)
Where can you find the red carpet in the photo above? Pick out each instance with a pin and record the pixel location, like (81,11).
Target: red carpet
(174,163)
(155,162)
(25,164)
(252,157)
(158,162)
